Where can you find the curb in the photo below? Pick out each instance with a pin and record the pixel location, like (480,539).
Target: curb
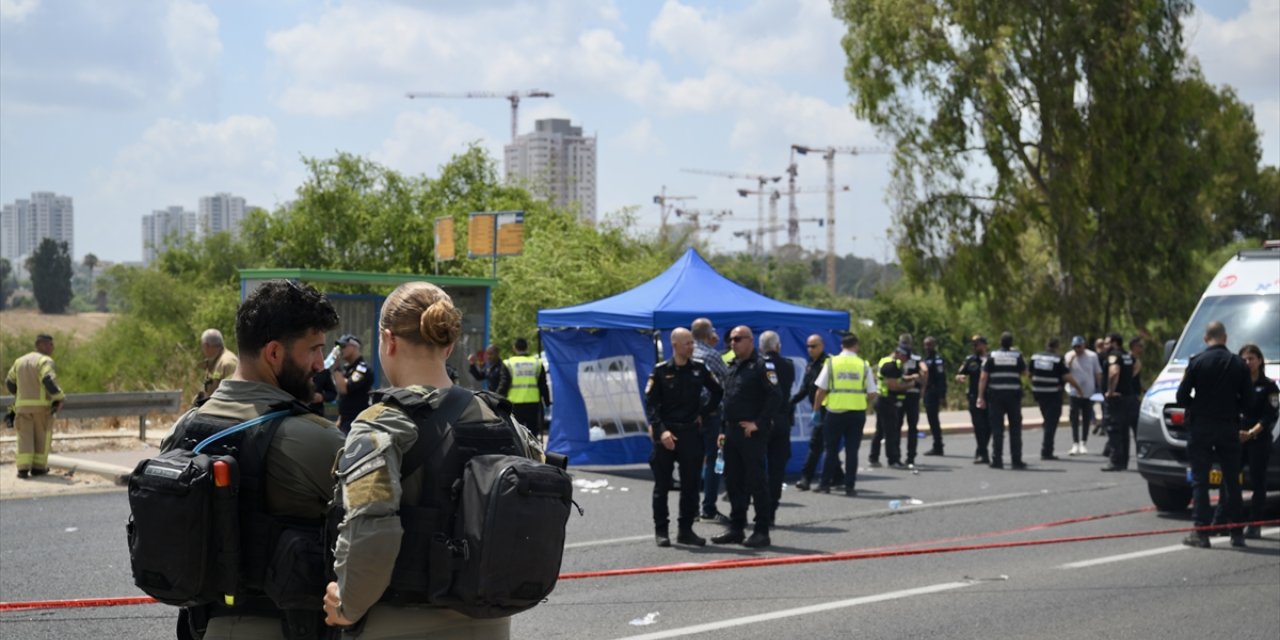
(116,473)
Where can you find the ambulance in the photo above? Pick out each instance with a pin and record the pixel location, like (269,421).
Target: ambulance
(1245,297)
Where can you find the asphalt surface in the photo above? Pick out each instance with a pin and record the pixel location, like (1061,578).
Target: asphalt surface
(1141,586)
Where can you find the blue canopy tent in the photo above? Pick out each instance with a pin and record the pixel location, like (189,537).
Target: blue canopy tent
(600,353)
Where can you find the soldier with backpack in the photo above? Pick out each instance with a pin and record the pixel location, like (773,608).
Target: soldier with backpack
(228,521)
(430,543)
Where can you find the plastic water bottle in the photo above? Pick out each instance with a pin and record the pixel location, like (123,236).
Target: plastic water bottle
(332,358)
(720,462)
(895,504)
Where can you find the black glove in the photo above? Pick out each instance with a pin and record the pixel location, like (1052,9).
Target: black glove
(9,416)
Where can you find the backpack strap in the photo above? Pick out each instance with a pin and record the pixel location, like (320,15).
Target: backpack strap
(456,400)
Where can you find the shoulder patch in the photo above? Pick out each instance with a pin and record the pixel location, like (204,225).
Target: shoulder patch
(368,489)
(772,376)
(372,413)
(362,367)
(355,450)
(769,365)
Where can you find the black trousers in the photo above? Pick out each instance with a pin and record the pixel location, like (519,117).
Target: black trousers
(847,428)
(887,429)
(744,478)
(1122,421)
(910,413)
(1205,445)
(932,405)
(981,427)
(818,445)
(776,458)
(1081,416)
(999,405)
(1051,411)
(1254,454)
(529,414)
(688,455)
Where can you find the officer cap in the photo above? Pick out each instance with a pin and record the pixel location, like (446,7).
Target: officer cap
(903,348)
(346,339)
(1077,341)
(978,337)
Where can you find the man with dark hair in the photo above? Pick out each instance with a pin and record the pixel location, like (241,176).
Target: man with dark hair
(529,393)
(846,386)
(971,370)
(935,392)
(1215,389)
(494,374)
(895,384)
(1000,390)
(913,368)
(1121,400)
(36,397)
(1048,372)
(280,329)
(353,380)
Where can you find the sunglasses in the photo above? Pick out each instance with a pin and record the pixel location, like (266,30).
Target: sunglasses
(737,338)
(815,346)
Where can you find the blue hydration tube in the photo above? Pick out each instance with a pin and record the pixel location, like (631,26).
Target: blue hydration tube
(240,427)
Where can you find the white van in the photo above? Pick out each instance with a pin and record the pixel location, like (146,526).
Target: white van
(1244,296)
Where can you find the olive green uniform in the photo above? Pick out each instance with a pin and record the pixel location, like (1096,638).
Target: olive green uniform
(217,370)
(35,388)
(299,476)
(369,536)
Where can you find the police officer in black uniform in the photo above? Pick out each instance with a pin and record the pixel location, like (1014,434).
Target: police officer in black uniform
(1122,402)
(1048,372)
(751,397)
(785,417)
(971,369)
(676,410)
(817,360)
(913,368)
(353,379)
(1000,390)
(935,392)
(1216,388)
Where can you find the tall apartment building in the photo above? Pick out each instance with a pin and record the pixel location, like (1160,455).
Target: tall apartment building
(166,228)
(221,212)
(25,223)
(558,163)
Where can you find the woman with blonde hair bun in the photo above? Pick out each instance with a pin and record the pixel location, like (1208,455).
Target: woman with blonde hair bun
(379,592)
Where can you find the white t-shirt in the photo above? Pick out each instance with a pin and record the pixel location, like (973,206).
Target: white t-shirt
(821,382)
(1085,369)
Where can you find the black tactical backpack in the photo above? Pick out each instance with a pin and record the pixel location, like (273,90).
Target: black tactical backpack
(487,537)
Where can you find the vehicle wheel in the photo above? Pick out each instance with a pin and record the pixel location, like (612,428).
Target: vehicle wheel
(1167,498)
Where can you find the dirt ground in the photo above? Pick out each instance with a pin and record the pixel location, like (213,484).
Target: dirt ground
(81,325)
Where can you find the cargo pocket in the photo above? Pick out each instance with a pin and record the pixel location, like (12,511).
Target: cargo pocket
(295,576)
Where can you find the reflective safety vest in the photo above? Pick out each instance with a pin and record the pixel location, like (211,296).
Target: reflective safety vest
(524,379)
(30,373)
(884,387)
(846,384)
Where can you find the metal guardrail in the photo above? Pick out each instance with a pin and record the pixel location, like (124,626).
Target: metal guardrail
(127,403)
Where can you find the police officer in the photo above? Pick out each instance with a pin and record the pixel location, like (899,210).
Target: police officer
(1000,390)
(1048,372)
(353,379)
(705,340)
(1121,402)
(1215,389)
(677,412)
(495,375)
(889,406)
(219,363)
(779,450)
(751,398)
(418,330)
(845,387)
(37,396)
(280,331)
(935,391)
(971,369)
(529,393)
(912,368)
(1257,423)
(807,391)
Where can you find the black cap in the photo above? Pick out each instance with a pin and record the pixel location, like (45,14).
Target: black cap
(345,339)
(903,348)
(978,337)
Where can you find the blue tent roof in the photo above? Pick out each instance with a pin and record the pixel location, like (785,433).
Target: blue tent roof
(690,289)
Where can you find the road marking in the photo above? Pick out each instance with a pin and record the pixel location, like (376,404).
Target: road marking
(1149,552)
(799,611)
(596,543)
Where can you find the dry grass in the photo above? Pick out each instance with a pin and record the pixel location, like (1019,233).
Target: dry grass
(80,325)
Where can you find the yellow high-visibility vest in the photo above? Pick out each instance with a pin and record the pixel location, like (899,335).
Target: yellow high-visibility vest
(28,373)
(524,379)
(846,384)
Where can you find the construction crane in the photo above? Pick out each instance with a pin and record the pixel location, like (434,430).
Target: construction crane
(761,180)
(663,200)
(512,96)
(695,217)
(793,222)
(829,154)
(751,237)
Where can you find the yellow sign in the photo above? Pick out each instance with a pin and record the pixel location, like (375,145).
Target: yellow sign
(445,249)
(499,233)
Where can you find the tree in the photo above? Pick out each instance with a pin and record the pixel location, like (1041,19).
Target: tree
(50,268)
(1052,159)
(90,263)
(6,272)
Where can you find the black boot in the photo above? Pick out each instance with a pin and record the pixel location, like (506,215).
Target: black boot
(23,473)
(661,537)
(759,538)
(687,536)
(802,484)
(730,536)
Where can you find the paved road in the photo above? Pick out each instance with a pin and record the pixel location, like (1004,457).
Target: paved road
(1124,587)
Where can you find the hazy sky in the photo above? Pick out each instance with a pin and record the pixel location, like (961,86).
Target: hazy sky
(134,106)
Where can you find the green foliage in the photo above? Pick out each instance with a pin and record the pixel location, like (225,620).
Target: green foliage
(50,267)
(7,283)
(1054,160)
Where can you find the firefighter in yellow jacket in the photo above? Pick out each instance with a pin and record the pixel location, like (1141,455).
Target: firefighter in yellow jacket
(37,397)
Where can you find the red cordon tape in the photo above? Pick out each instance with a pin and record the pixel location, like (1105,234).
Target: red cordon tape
(862,554)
